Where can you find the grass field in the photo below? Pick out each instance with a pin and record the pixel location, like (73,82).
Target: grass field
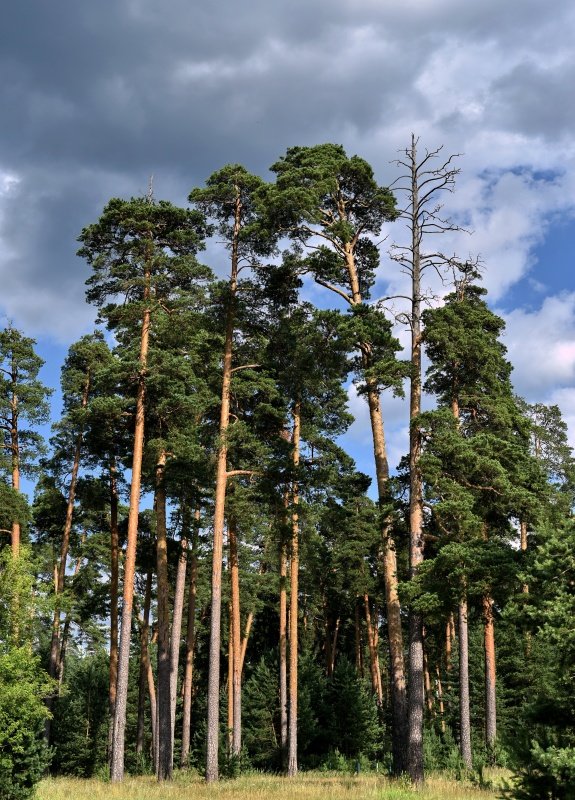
(307,786)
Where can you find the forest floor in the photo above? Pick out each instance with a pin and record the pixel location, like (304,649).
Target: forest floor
(307,786)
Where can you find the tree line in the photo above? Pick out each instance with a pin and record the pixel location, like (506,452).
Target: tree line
(202,578)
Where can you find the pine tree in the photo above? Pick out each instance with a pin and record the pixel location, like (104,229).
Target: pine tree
(23,398)
(144,252)
(331,207)
(228,200)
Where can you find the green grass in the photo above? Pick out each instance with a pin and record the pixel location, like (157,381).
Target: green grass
(307,786)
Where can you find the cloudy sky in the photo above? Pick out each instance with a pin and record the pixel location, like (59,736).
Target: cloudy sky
(97,96)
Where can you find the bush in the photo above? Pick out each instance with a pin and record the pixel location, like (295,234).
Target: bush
(23,753)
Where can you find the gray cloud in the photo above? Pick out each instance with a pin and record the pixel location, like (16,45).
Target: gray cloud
(98,96)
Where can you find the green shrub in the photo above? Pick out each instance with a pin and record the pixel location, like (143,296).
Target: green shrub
(23,753)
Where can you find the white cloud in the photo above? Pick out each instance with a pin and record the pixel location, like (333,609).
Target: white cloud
(541,347)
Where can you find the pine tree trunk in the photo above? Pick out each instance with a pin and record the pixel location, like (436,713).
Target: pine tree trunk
(376,647)
(399,708)
(230,686)
(523,543)
(66,628)
(416,540)
(464,708)
(61,570)
(440,697)
(179,593)
(245,639)
(490,698)
(373,659)
(283,656)
(117,763)
(236,641)
(393,609)
(219,511)
(358,644)
(153,708)
(143,678)
(114,574)
(190,644)
(449,636)
(15,458)
(165,748)
(292,767)
(427,681)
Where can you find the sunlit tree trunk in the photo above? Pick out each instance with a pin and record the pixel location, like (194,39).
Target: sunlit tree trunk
(219,512)
(143,678)
(283,655)
(373,657)
(490,698)
(358,643)
(464,707)
(117,763)
(292,767)
(236,641)
(190,644)
(164,765)
(393,609)
(114,576)
(176,635)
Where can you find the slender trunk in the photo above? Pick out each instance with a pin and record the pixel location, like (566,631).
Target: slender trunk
(117,763)
(283,656)
(219,510)
(376,646)
(230,679)
(440,697)
(373,659)
(61,573)
(190,642)
(490,699)
(416,540)
(153,707)
(236,641)
(179,593)
(523,534)
(245,639)
(395,635)
(15,451)
(464,708)
(427,681)
(143,678)
(393,609)
(334,645)
(114,559)
(165,748)
(66,627)
(358,645)
(62,652)
(449,637)
(292,767)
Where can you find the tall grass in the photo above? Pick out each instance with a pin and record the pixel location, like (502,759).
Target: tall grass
(307,786)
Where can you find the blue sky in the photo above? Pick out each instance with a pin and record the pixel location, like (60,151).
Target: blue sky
(98,96)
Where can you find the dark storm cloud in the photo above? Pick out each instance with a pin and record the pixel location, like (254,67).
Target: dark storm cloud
(99,95)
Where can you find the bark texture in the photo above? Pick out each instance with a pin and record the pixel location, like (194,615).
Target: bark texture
(490,698)
(164,765)
(464,707)
(283,656)
(117,761)
(292,766)
(190,645)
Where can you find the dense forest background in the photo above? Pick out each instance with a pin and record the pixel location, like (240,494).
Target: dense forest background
(203,578)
